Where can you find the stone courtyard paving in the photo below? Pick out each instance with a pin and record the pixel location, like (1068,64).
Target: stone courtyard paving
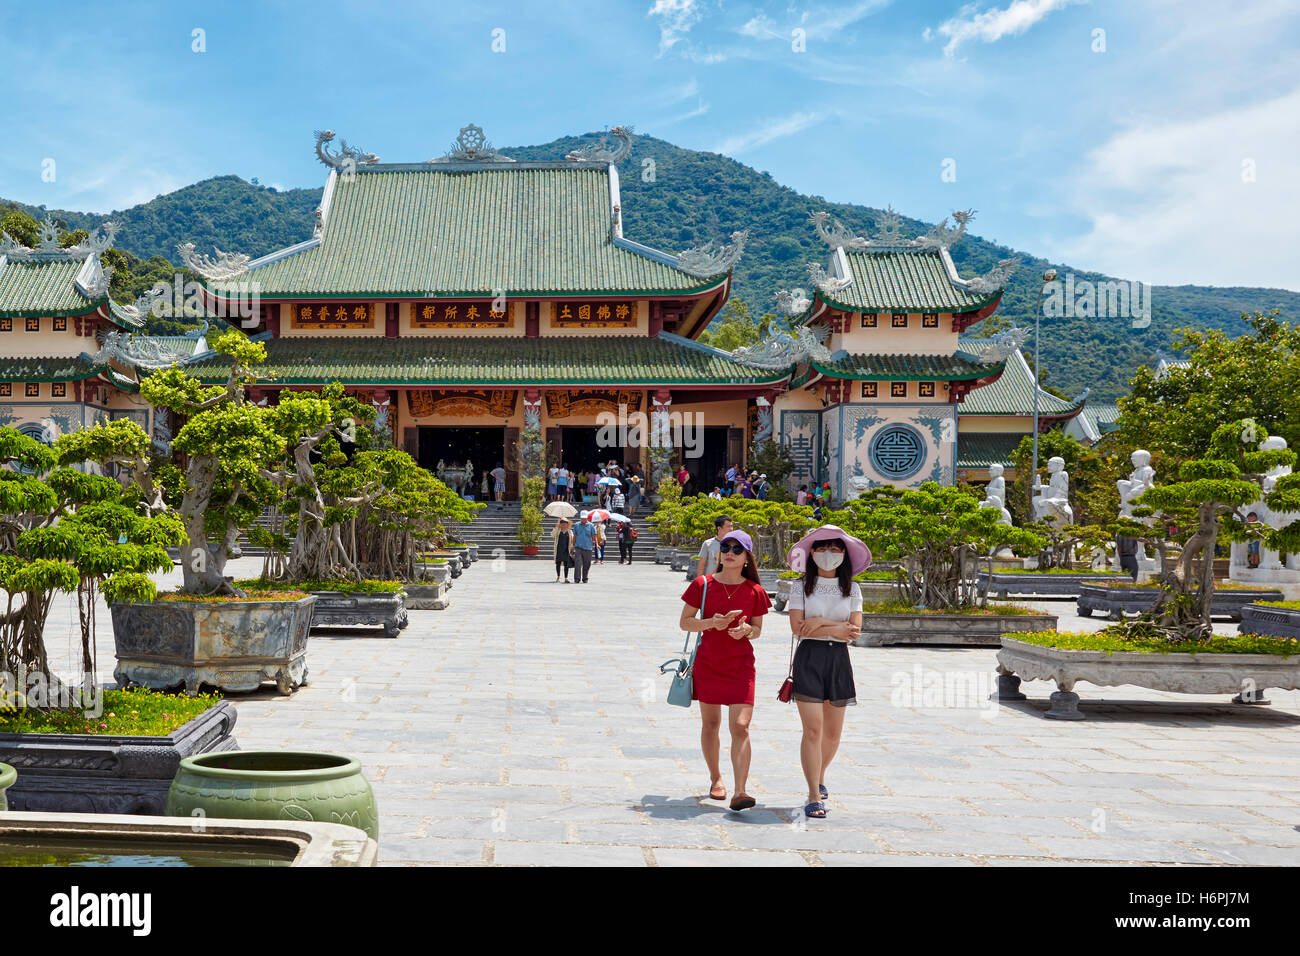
(526,725)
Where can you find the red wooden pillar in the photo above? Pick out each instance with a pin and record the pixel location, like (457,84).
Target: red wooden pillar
(532,323)
(390,320)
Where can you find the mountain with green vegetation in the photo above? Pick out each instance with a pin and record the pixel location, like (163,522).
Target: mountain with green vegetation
(675,198)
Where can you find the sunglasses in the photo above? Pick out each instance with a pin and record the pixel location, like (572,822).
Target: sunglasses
(732,547)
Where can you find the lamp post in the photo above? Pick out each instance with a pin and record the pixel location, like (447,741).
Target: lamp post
(1048,277)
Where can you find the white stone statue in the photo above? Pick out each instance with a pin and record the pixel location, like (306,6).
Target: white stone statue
(1140,479)
(996,502)
(1268,560)
(1053,500)
(997,484)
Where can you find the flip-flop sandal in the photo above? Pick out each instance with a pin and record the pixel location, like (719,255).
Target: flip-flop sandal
(714,795)
(743,803)
(815,810)
(821,787)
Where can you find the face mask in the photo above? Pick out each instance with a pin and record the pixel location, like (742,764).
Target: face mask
(828,560)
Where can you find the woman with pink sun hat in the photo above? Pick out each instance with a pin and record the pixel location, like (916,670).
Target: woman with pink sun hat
(825,617)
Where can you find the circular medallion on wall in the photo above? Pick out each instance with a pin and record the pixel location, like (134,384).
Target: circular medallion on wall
(897,451)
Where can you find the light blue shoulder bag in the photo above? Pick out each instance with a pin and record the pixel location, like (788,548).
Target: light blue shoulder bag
(682,690)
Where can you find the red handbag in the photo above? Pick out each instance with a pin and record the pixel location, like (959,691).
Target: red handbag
(787,688)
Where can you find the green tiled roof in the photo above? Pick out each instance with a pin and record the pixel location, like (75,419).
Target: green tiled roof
(957,367)
(1013,392)
(41,288)
(428,231)
(1102,418)
(496,360)
(57,369)
(904,280)
(983,449)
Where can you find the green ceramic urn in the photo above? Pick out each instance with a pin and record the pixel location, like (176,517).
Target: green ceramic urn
(8,775)
(274,785)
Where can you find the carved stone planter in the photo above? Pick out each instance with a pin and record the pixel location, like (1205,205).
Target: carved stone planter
(374,609)
(1004,584)
(427,597)
(972,630)
(1247,675)
(90,773)
(768,578)
(461,554)
(232,645)
(7,778)
(1272,621)
(663,554)
(1116,600)
(682,560)
(473,552)
(226,842)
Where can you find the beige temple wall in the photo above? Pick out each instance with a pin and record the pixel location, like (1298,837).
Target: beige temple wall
(885,338)
(46,343)
(1008,424)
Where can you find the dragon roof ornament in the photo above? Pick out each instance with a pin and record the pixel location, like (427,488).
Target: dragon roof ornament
(347,159)
(995,278)
(95,285)
(792,301)
(47,244)
(941,237)
(713,258)
(603,152)
(138,351)
(1003,345)
(471,146)
(825,282)
(889,232)
(226,265)
(783,349)
(834,233)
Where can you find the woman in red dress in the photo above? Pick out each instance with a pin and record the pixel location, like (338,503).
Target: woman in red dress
(723,675)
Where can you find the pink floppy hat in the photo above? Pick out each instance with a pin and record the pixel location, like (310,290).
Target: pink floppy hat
(859,554)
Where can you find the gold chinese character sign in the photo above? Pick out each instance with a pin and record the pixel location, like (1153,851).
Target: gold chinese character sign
(593,315)
(333,315)
(458,315)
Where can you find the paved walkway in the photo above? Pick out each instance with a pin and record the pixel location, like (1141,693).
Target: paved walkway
(526,725)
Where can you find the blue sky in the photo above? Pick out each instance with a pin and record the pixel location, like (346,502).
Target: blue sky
(1171,155)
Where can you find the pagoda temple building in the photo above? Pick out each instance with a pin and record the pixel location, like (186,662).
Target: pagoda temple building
(465,295)
(881,372)
(64,360)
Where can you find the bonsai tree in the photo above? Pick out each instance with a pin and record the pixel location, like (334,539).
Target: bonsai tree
(64,530)
(773,459)
(311,425)
(1060,544)
(230,443)
(1227,477)
(937,533)
(529,532)
(667,518)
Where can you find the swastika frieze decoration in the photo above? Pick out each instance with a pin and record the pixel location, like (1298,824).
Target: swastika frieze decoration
(897,451)
(458,315)
(332,315)
(593,315)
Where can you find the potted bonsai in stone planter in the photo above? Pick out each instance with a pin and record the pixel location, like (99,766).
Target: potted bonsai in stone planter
(209,632)
(936,533)
(1173,645)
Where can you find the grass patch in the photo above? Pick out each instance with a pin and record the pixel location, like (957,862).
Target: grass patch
(1098,574)
(281,593)
(136,712)
(902,607)
(258,586)
(1111,643)
(1289,605)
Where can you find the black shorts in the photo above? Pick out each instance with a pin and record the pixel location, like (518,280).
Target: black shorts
(823,672)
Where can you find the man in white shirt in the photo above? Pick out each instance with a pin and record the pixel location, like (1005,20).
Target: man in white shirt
(499,483)
(711,550)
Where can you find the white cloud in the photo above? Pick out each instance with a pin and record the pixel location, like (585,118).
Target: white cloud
(676,17)
(1167,201)
(821,23)
(992,25)
(768,131)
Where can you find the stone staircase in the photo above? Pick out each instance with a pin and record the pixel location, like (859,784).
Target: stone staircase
(494,528)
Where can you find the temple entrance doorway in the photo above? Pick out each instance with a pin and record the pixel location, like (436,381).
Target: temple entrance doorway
(710,468)
(455,445)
